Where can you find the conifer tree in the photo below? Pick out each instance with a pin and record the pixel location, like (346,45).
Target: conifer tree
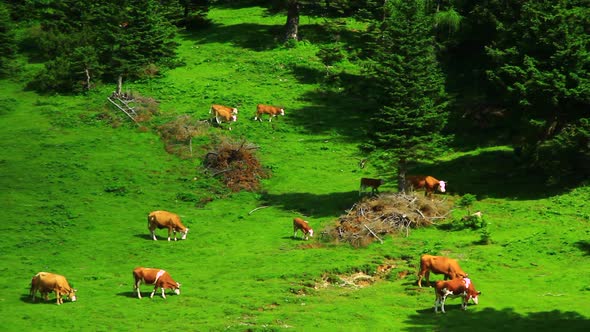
(7,39)
(409,124)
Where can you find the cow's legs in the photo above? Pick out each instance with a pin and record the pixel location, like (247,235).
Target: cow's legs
(152,294)
(169,232)
(154,235)
(163,293)
(436,303)
(427,275)
(136,287)
(442,304)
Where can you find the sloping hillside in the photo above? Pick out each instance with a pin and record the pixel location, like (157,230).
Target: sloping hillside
(77,192)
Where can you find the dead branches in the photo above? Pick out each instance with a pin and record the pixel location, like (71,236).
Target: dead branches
(237,165)
(373,217)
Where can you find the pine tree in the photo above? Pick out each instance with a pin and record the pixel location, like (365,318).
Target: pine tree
(409,124)
(7,39)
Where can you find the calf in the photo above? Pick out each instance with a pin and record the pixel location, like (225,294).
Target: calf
(46,282)
(165,219)
(429,183)
(460,287)
(439,265)
(372,183)
(156,277)
(272,111)
(300,224)
(224,114)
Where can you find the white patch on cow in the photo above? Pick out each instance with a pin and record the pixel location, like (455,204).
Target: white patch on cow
(158,275)
(467,282)
(442,185)
(74,298)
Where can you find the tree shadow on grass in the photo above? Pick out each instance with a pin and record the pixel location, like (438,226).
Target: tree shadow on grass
(490,174)
(251,36)
(584,246)
(489,319)
(312,205)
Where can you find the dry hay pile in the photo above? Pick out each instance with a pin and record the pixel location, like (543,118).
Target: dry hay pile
(237,164)
(373,217)
(178,134)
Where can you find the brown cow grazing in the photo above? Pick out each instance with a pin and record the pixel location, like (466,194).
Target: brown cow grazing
(429,183)
(272,111)
(460,287)
(372,183)
(439,265)
(156,277)
(165,219)
(46,282)
(224,114)
(300,224)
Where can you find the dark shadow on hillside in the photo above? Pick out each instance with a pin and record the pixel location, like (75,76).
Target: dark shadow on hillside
(584,246)
(144,236)
(489,174)
(333,112)
(255,37)
(312,205)
(489,319)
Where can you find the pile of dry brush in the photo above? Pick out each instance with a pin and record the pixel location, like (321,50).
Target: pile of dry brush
(178,134)
(237,165)
(371,218)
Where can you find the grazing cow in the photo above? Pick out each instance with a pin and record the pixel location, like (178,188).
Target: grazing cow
(373,183)
(165,219)
(439,265)
(272,111)
(300,224)
(46,282)
(429,183)
(156,277)
(460,287)
(224,114)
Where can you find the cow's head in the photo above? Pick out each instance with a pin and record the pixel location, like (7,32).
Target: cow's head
(177,289)
(282,111)
(234,118)
(311,232)
(441,186)
(72,295)
(184,234)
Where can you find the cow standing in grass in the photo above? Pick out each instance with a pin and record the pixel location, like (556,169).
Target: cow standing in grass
(429,183)
(272,111)
(460,287)
(157,277)
(439,265)
(374,184)
(303,226)
(168,220)
(224,114)
(46,282)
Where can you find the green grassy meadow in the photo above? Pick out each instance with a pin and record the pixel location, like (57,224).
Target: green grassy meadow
(76,192)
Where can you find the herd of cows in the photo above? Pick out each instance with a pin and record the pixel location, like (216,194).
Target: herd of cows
(455,284)
(228,114)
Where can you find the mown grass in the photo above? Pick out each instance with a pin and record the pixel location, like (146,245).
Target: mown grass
(76,193)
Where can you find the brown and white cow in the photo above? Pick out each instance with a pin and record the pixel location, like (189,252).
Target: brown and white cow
(429,183)
(300,224)
(439,265)
(157,277)
(272,111)
(460,287)
(165,219)
(224,114)
(46,282)
(370,183)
